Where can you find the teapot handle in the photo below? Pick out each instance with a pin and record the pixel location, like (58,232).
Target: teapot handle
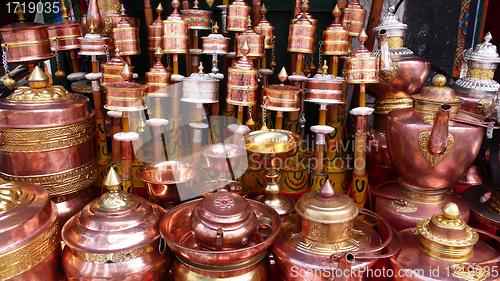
(400,201)
(219,238)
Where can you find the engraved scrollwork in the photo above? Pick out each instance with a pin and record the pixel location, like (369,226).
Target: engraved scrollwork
(49,93)
(471,238)
(115,257)
(392,75)
(429,119)
(408,208)
(423,141)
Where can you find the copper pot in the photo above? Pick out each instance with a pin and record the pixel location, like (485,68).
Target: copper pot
(443,247)
(237,14)
(29,231)
(116,237)
(436,152)
(26,42)
(59,154)
(66,33)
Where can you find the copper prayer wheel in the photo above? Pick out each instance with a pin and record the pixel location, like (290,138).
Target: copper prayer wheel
(281,97)
(126,36)
(336,37)
(265,28)
(115,237)
(175,32)
(242,81)
(58,154)
(198,19)
(324,89)
(92,44)
(215,43)
(155,31)
(237,14)
(361,67)
(29,231)
(353,15)
(302,34)
(158,77)
(112,69)
(26,42)
(66,33)
(125,96)
(254,40)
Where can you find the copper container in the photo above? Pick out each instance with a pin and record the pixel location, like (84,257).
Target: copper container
(484,205)
(237,14)
(158,77)
(436,152)
(198,19)
(324,89)
(265,28)
(126,36)
(125,96)
(336,37)
(92,44)
(29,231)
(200,87)
(353,15)
(168,182)
(57,153)
(443,247)
(175,32)
(66,33)
(115,237)
(26,42)
(361,67)
(302,34)
(215,44)
(282,97)
(254,40)
(478,88)
(155,31)
(324,236)
(112,69)
(242,81)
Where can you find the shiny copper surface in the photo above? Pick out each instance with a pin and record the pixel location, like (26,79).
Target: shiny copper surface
(66,33)
(30,247)
(221,157)
(155,31)
(112,69)
(265,28)
(158,77)
(164,180)
(302,34)
(26,42)
(125,96)
(336,37)
(282,97)
(197,19)
(353,15)
(215,44)
(69,205)
(254,40)
(237,14)
(242,82)
(175,33)
(324,88)
(473,98)
(126,36)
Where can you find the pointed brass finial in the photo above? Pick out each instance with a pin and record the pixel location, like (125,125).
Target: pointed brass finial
(336,12)
(312,67)
(200,68)
(283,75)
(304,7)
(176,4)
(20,13)
(327,190)
(38,79)
(362,37)
(92,27)
(117,51)
(196,4)
(60,74)
(126,73)
(263,10)
(488,37)
(392,9)
(216,28)
(113,181)
(122,10)
(64,11)
(324,68)
(244,48)
(9,82)
(159,53)
(450,211)
(159,9)
(249,21)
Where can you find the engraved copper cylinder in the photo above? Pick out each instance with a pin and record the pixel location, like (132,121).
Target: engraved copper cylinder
(29,231)
(92,45)
(268,31)
(111,71)
(255,43)
(198,19)
(324,88)
(237,14)
(125,96)
(175,34)
(353,15)
(155,34)
(156,79)
(215,43)
(335,42)
(126,36)
(361,67)
(26,42)
(282,97)
(59,153)
(302,36)
(66,33)
(242,82)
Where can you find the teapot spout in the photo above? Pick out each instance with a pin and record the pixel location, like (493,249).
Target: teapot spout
(438,141)
(386,67)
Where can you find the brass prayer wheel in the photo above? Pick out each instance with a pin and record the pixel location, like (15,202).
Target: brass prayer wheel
(302,34)
(254,40)
(58,154)
(175,32)
(336,37)
(126,36)
(92,44)
(66,34)
(115,237)
(237,14)
(265,28)
(281,97)
(30,246)
(362,66)
(353,15)
(26,42)
(198,19)
(242,81)
(125,96)
(155,31)
(158,77)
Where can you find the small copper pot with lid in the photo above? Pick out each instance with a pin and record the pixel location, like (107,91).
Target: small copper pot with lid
(116,237)
(30,247)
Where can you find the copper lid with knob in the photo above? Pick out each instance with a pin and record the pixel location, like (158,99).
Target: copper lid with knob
(433,96)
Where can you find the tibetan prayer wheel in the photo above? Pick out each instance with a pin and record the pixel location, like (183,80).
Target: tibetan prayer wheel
(92,44)
(155,31)
(198,19)
(242,81)
(336,37)
(281,97)
(325,88)
(158,77)
(48,139)
(125,96)
(302,34)
(66,34)
(26,42)
(265,28)
(362,66)
(200,87)
(112,69)
(175,32)
(353,15)
(215,44)
(126,36)
(237,14)
(254,40)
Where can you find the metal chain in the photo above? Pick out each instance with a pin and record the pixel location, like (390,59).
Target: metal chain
(320,54)
(308,59)
(302,119)
(212,21)
(57,53)
(168,59)
(4,58)
(249,107)
(264,108)
(273,53)
(107,52)
(214,63)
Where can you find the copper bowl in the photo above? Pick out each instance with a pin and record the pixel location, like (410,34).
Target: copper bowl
(176,231)
(270,148)
(165,179)
(220,155)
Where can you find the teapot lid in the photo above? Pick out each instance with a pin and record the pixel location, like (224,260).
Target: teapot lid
(446,235)
(326,206)
(115,227)
(223,208)
(483,52)
(438,93)
(392,23)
